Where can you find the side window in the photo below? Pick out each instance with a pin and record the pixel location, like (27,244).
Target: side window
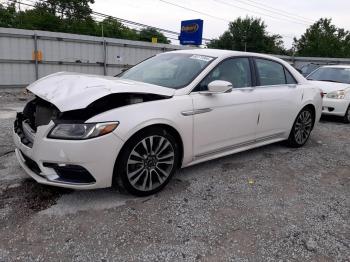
(270,72)
(235,70)
(290,79)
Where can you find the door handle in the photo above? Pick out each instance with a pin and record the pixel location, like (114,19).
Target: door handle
(196,111)
(245,89)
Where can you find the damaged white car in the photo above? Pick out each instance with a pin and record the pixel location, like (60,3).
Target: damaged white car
(173,110)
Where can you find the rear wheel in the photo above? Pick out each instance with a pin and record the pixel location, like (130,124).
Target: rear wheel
(347,115)
(147,162)
(302,128)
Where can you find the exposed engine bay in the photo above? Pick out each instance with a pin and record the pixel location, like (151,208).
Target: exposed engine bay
(39,112)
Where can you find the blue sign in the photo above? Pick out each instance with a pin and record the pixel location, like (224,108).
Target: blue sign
(191,32)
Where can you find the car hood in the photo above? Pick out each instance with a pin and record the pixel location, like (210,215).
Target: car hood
(328,87)
(71,91)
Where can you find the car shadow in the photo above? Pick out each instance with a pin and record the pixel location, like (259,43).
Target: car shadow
(334,119)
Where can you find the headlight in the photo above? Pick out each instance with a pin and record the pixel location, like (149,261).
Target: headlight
(82,131)
(336,94)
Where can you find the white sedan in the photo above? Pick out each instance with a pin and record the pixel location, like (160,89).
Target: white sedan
(173,110)
(334,80)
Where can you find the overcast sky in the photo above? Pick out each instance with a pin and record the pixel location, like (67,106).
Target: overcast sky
(300,13)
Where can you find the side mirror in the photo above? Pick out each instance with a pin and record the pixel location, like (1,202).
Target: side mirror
(218,86)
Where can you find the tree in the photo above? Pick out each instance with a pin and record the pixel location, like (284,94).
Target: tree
(35,19)
(69,9)
(113,28)
(249,34)
(146,35)
(71,16)
(7,15)
(323,39)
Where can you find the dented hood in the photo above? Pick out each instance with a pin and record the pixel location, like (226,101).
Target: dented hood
(71,91)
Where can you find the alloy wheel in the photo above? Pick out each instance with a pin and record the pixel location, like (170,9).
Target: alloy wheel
(150,163)
(303,127)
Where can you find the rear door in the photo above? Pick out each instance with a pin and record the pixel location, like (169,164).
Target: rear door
(279,98)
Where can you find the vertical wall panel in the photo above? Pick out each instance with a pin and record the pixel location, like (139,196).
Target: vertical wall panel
(66,52)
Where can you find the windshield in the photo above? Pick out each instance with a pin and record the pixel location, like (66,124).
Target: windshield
(332,74)
(307,69)
(173,70)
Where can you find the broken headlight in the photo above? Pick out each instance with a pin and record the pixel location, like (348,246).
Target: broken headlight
(82,131)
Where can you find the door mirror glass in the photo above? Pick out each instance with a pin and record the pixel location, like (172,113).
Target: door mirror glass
(219,86)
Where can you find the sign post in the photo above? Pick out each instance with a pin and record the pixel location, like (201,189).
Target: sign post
(191,32)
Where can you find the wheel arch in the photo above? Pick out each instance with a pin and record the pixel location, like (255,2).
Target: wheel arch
(168,128)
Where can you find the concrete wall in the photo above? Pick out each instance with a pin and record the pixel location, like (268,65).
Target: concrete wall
(80,53)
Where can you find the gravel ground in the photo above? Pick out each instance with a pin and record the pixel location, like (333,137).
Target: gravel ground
(269,204)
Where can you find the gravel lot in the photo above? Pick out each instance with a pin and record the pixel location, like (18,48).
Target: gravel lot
(269,204)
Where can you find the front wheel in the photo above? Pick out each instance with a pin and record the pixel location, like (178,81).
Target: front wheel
(302,128)
(147,162)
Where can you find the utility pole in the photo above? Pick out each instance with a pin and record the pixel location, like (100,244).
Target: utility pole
(102,29)
(19,9)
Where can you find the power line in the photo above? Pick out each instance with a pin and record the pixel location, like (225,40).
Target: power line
(280,10)
(193,10)
(257,12)
(124,21)
(271,10)
(165,31)
(196,11)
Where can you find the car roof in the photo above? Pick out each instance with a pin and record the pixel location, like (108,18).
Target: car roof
(221,53)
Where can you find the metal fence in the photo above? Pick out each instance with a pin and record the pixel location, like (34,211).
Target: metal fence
(27,55)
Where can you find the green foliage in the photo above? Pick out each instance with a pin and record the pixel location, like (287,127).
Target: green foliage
(71,16)
(69,9)
(323,39)
(113,28)
(7,15)
(146,34)
(249,34)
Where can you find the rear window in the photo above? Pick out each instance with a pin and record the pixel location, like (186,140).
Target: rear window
(270,72)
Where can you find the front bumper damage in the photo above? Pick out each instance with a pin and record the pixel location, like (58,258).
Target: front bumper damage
(76,164)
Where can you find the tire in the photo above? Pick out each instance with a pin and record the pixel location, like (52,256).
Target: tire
(346,118)
(147,162)
(302,128)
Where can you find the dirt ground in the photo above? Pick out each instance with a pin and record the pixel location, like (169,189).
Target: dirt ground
(269,204)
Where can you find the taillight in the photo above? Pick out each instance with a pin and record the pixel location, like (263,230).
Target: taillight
(322,94)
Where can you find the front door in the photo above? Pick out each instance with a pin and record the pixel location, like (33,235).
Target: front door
(226,120)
